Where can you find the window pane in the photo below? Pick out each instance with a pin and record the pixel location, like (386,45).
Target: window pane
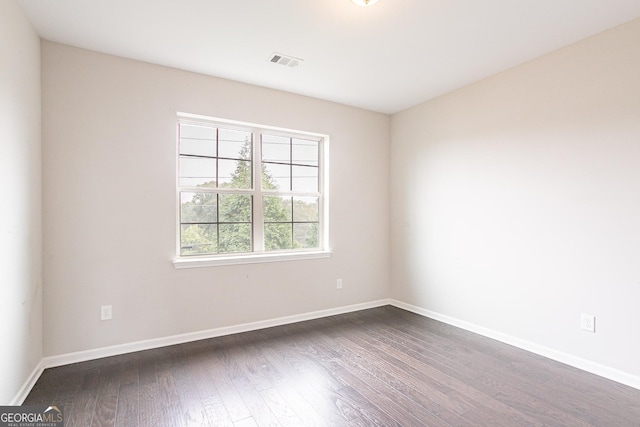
(197,131)
(277,236)
(234,173)
(217,193)
(276,208)
(234,144)
(276,177)
(305,209)
(305,179)
(235,238)
(276,149)
(304,152)
(197,140)
(198,239)
(197,172)
(198,207)
(305,235)
(234,208)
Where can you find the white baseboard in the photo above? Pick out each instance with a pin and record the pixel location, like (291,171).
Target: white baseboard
(559,356)
(27,386)
(83,356)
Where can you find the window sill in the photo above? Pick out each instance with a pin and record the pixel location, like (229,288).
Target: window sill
(196,262)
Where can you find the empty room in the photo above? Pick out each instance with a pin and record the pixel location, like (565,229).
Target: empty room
(298,213)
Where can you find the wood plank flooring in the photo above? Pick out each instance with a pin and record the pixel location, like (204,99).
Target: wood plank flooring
(378,367)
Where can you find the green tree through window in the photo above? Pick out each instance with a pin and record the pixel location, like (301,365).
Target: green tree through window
(217,213)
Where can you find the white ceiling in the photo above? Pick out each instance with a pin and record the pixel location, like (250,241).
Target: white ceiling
(386,58)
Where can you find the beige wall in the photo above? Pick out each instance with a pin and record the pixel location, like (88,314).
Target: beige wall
(109,145)
(516,201)
(20,209)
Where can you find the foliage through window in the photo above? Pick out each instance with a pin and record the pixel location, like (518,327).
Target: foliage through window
(243,189)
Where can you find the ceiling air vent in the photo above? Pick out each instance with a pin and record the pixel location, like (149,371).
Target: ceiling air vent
(289,61)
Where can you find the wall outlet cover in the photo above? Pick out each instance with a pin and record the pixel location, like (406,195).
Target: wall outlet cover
(106,312)
(588,322)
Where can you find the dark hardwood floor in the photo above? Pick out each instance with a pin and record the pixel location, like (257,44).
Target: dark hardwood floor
(383,367)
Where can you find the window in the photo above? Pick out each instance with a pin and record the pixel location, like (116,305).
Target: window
(248,190)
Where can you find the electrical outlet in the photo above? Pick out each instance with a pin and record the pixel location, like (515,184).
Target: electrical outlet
(106,312)
(588,322)
(339,284)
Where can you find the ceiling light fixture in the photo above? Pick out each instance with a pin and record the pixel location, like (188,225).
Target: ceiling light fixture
(364,2)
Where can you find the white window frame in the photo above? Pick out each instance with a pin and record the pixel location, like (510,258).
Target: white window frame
(258,254)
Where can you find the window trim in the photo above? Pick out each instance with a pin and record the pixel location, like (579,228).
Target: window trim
(258,256)
(239,259)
